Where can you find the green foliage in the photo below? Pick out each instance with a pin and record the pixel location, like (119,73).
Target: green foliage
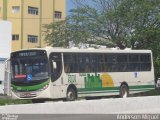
(56,34)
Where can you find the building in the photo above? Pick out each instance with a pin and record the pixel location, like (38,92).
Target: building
(5,50)
(28,17)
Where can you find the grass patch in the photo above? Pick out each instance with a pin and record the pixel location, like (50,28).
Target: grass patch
(8,101)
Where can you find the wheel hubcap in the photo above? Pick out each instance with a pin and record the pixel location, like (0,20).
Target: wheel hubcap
(70,95)
(124,93)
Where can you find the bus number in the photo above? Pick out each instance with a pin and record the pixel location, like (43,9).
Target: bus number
(71,78)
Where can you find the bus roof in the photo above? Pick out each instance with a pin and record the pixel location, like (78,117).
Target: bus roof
(88,50)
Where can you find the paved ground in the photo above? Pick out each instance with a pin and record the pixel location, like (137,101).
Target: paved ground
(142,105)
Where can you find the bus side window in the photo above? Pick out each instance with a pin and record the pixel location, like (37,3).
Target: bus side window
(134,63)
(70,63)
(145,60)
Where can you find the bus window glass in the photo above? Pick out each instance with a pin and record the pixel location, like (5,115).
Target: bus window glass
(70,63)
(84,63)
(36,67)
(122,58)
(134,63)
(111,62)
(145,60)
(133,58)
(122,63)
(110,58)
(56,65)
(100,67)
(89,63)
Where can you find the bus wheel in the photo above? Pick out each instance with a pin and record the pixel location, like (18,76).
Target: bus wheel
(124,91)
(71,94)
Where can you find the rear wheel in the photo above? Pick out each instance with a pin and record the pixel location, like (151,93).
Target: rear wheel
(124,91)
(71,94)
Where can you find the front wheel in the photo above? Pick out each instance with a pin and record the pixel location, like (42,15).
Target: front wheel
(71,94)
(124,91)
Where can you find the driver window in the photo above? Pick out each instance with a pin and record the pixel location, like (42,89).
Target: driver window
(56,65)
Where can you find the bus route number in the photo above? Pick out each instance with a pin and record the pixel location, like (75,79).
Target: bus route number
(71,78)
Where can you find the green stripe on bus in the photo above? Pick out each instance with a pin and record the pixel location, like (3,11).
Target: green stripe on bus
(30,88)
(97,92)
(91,92)
(116,88)
(141,87)
(98,89)
(131,90)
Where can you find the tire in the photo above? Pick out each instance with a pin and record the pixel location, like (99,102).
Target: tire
(93,98)
(71,94)
(124,91)
(38,101)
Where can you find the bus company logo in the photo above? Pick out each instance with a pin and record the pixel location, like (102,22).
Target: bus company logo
(135,74)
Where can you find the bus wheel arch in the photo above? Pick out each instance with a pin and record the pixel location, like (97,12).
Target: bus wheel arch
(124,90)
(71,94)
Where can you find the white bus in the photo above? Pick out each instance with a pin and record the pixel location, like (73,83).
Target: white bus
(53,73)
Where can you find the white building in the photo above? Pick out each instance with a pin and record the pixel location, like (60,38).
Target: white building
(5,50)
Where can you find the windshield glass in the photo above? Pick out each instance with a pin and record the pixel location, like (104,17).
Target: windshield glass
(29,69)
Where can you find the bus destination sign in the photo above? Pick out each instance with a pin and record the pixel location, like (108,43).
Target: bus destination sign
(27,54)
(32,53)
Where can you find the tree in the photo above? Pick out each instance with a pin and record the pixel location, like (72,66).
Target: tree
(104,23)
(141,17)
(71,31)
(56,34)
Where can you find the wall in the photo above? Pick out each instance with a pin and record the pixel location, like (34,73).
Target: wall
(5,49)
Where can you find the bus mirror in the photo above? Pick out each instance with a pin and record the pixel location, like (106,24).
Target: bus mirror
(54,64)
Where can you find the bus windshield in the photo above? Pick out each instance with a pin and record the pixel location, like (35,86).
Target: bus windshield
(30,70)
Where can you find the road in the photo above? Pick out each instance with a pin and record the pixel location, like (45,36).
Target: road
(80,117)
(83,109)
(57,117)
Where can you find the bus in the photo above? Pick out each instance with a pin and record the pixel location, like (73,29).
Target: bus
(61,73)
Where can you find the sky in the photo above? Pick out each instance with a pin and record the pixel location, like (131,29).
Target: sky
(69,5)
